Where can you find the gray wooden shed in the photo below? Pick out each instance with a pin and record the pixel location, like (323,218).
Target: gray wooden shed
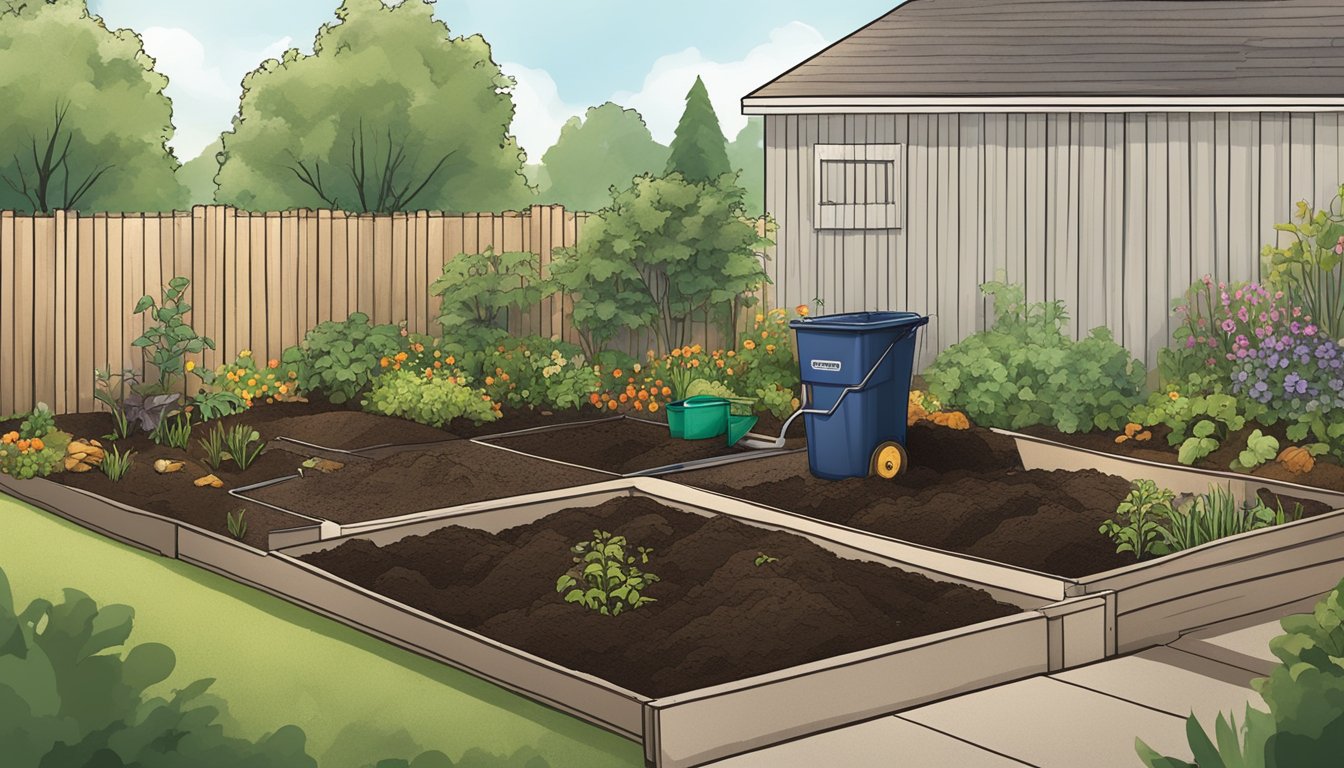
(1102,152)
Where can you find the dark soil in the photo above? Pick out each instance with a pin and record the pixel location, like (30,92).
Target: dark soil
(718,616)
(965,492)
(513,419)
(1327,474)
(173,495)
(618,445)
(442,475)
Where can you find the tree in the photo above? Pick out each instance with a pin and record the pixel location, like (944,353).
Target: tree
(746,154)
(86,121)
(699,150)
(198,174)
(665,250)
(389,113)
(608,148)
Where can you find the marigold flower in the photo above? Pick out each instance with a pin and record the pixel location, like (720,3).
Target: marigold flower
(1174,395)
(272,363)
(251,382)
(246,394)
(801,309)
(245,353)
(401,356)
(639,406)
(729,371)
(749,344)
(9,437)
(719,363)
(770,348)
(676,353)
(760,318)
(624,397)
(385,361)
(653,407)
(36,444)
(732,353)
(23,445)
(489,380)
(612,404)
(696,348)
(667,391)
(282,389)
(594,398)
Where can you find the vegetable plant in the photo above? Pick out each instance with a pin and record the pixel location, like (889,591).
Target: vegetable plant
(1197,423)
(536,372)
(606,578)
(237,523)
(432,400)
(116,463)
(168,339)
(236,386)
(762,559)
(1259,449)
(340,359)
(214,446)
(216,405)
(244,445)
(1024,370)
(1216,515)
(1305,723)
(1142,514)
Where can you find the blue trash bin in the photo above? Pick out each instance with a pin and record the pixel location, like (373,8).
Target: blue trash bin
(856,367)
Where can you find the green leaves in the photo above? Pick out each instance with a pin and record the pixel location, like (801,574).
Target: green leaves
(606,578)
(340,358)
(1195,448)
(167,338)
(433,401)
(1141,515)
(477,290)
(1260,448)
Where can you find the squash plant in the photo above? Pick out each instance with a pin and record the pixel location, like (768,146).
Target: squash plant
(1198,423)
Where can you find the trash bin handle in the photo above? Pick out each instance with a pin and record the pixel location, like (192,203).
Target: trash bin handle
(844,392)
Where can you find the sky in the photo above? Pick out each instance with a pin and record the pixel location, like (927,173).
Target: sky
(566,56)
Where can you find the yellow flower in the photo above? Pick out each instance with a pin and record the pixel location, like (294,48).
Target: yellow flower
(749,344)
(191,365)
(282,389)
(696,349)
(1173,395)
(245,353)
(801,309)
(760,318)
(251,382)
(770,348)
(489,380)
(386,361)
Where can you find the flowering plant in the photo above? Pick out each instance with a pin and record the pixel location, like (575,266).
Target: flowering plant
(1296,376)
(538,372)
(271,381)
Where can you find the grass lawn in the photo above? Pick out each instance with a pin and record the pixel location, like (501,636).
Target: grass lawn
(358,698)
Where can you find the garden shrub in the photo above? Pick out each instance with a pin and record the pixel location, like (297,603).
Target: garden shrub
(477,290)
(340,359)
(249,381)
(537,372)
(36,448)
(1304,695)
(434,399)
(1309,269)
(1024,371)
(1198,423)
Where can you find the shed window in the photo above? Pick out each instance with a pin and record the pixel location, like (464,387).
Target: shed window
(857,186)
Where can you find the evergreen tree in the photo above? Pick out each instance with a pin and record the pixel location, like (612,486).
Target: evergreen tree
(699,150)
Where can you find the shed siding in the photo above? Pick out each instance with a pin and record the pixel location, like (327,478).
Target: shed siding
(1113,214)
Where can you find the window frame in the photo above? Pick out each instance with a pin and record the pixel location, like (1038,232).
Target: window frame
(853,215)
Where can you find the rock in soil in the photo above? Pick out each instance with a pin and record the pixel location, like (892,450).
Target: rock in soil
(718,616)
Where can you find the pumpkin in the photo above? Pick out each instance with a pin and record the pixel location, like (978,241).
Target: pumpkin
(1297,459)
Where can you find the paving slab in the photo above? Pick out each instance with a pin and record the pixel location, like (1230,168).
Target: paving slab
(1172,681)
(1053,724)
(880,743)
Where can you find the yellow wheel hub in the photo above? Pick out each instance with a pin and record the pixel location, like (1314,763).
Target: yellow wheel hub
(888,460)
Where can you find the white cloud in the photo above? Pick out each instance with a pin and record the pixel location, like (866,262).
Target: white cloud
(662,98)
(205,98)
(539,112)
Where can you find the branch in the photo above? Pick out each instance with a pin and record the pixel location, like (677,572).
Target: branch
(428,178)
(313,179)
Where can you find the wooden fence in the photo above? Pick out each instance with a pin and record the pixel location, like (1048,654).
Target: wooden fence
(68,283)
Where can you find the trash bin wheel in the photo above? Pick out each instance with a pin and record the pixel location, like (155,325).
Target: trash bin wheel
(889,460)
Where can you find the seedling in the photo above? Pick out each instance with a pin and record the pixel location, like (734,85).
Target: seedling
(102,392)
(174,432)
(116,463)
(237,525)
(1142,514)
(614,582)
(240,440)
(762,559)
(214,446)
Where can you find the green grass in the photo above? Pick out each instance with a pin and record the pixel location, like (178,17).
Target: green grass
(356,697)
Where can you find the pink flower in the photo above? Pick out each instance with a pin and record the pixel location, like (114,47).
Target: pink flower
(1339,246)
(1310,330)
(1190,342)
(1243,315)
(1229,326)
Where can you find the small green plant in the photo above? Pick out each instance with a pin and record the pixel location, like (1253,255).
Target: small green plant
(117,463)
(216,405)
(174,432)
(103,393)
(244,445)
(433,400)
(605,578)
(214,445)
(36,448)
(1198,423)
(237,523)
(168,339)
(1142,514)
(1216,515)
(762,559)
(1260,448)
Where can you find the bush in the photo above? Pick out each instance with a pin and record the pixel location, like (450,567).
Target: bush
(536,372)
(36,448)
(1198,423)
(434,400)
(1305,696)
(1024,371)
(340,360)
(476,290)
(245,378)
(1309,269)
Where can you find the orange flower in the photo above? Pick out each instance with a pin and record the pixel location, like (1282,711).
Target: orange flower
(451,361)
(719,363)
(643,394)
(624,397)
(729,371)
(765,334)
(23,446)
(732,353)
(438,363)
(272,363)
(401,356)
(801,309)
(594,398)
(639,406)
(612,404)
(37,444)
(770,348)
(676,353)
(667,391)
(630,390)
(489,380)
(653,407)
(749,344)
(695,348)
(9,437)
(386,361)
(616,374)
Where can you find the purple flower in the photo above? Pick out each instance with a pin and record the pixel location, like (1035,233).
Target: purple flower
(1292,383)
(1229,326)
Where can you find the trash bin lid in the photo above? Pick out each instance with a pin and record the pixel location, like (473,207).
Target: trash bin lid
(858,322)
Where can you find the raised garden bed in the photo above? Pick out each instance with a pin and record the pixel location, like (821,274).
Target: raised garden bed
(476,587)
(619,445)
(1326,474)
(440,476)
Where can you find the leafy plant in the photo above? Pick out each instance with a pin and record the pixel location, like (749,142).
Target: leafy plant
(1142,514)
(168,339)
(174,432)
(116,463)
(1197,423)
(1024,371)
(1260,448)
(536,372)
(1305,722)
(38,422)
(477,290)
(606,578)
(244,445)
(432,400)
(1309,268)
(762,559)
(29,456)
(213,444)
(340,359)
(1216,515)
(237,523)
(216,405)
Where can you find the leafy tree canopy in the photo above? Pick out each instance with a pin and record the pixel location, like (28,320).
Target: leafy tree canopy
(86,122)
(746,154)
(608,148)
(389,113)
(198,174)
(699,150)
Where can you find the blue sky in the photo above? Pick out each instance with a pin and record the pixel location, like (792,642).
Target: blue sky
(567,56)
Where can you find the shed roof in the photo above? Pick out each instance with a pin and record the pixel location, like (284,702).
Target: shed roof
(1083,51)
